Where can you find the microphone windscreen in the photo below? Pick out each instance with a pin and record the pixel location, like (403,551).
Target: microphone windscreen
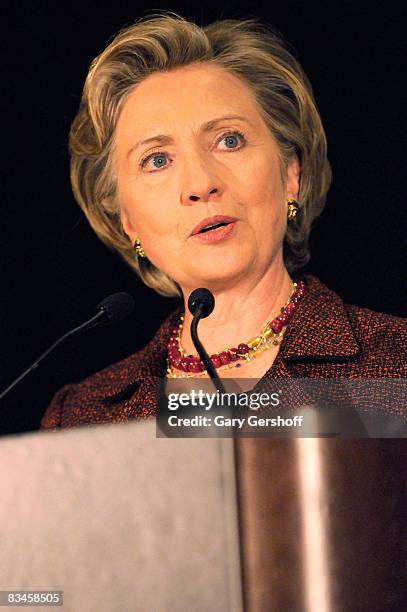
(202,298)
(117,307)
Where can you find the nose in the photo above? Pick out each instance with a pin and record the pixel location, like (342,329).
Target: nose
(203,196)
(200,183)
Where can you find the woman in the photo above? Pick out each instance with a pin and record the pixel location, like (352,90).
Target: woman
(182,129)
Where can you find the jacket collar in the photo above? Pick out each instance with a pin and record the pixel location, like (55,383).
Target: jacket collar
(319,331)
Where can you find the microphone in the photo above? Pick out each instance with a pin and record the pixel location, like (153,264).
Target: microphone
(201,303)
(110,310)
(115,308)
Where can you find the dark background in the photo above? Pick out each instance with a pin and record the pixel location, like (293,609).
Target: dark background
(54,270)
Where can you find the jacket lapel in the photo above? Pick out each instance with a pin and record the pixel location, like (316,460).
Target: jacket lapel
(320,330)
(134,393)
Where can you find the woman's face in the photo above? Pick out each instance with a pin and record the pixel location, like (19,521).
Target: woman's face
(209,153)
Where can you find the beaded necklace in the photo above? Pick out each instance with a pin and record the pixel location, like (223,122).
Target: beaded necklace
(270,335)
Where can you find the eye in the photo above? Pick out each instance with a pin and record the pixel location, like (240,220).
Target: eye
(230,139)
(158,156)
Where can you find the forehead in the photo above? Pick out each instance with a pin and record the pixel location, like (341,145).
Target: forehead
(185,95)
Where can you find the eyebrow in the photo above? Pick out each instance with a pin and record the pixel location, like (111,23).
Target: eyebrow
(208,126)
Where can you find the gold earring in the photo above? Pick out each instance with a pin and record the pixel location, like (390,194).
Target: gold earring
(139,249)
(293,208)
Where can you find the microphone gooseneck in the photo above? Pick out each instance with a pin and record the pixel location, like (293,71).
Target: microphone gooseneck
(111,310)
(201,303)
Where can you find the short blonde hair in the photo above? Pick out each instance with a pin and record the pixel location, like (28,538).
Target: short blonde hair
(248,49)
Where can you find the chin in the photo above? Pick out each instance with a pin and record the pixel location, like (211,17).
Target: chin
(219,273)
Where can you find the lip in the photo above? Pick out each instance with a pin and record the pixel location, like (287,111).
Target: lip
(215,235)
(212,220)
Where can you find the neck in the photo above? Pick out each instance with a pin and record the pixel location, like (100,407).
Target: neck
(240,312)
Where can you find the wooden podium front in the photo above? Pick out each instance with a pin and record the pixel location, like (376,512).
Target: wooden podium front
(323,524)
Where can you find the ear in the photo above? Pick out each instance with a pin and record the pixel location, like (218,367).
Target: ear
(127,226)
(293,177)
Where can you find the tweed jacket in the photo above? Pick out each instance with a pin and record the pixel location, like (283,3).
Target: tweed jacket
(325,339)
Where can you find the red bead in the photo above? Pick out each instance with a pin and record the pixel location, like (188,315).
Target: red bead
(175,331)
(243,348)
(195,367)
(288,314)
(172,344)
(283,319)
(290,308)
(173,350)
(184,365)
(176,362)
(224,357)
(193,359)
(216,360)
(232,355)
(276,326)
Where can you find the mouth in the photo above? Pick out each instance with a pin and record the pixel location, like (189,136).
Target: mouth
(215,233)
(211,224)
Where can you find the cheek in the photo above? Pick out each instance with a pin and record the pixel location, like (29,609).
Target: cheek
(267,213)
(158,232)
(262,178)
(267,200)
(147,215)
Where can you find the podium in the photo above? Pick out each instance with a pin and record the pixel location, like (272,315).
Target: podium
(123,521)
(119,520)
